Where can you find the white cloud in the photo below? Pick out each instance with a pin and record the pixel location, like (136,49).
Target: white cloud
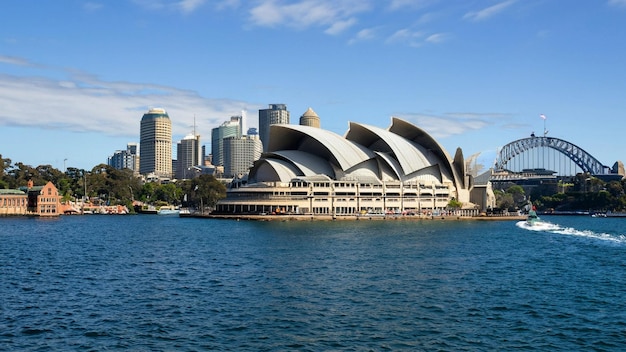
(452,124)
(92,6)
(416,38)
(488,12)
(617,3)
(189,6)
(17,61)
(406,36)
(86,104)
(226,4)
(183,6)
(413,4)
(334,15)
(437,38)
(363,35)
(340,26)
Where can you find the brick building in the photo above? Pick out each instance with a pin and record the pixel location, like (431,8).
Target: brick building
(31,200)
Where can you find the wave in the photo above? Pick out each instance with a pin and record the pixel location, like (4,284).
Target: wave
(570,231)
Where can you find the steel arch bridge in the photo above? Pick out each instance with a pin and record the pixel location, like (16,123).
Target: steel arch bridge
(585,161)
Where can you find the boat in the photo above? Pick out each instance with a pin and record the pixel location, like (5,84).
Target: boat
(533,219)
(168,210)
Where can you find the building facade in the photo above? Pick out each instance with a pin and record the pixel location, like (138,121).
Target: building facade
(310,118)
(156,144)
(369,171)
(275,114)
(240,154)
(125,159)
(188,155)
(231,128)
(30,200)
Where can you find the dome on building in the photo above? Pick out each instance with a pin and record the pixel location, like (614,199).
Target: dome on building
(156,113)
(310,118)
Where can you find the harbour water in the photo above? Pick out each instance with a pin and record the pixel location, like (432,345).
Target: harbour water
(151,283)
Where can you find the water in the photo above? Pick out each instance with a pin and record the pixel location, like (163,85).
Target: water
(153,283)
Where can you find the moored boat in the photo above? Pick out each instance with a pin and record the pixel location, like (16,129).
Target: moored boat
(168,210)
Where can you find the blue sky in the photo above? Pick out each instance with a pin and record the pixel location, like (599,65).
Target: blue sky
(77,76)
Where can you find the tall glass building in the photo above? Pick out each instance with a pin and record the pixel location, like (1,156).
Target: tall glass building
(125,159)
(188,155)
(228,129)
(275,114)
(240,153)
(156,144)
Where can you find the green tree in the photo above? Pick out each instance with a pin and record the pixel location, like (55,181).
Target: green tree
(203,192)
(518,194)
(454,204)
(168,193)
(5,164)
(504,200)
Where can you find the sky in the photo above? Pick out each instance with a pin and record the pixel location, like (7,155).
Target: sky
(77,76)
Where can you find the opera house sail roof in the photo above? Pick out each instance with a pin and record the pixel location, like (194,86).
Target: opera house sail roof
(402,152)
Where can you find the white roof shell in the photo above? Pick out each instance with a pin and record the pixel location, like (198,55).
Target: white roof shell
(403,152)
(317,141)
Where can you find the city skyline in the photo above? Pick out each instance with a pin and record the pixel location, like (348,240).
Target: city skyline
(475,75)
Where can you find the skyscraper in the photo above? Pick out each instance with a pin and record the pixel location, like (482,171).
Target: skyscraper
(188,154)
(277,113)
(156,144)
(310,118)
(231,128)
(125,159)
(240,154)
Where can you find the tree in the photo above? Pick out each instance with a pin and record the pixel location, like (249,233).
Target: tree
(5,164)
(203,191)
(454,204)
(504,200)
(168,193)
(518,194)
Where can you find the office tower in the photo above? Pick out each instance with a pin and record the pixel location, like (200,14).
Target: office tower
(188,155)
(240,153)
(133,150)
(276,113)
(231,128)
(125,159)
(156,144)
(310,118)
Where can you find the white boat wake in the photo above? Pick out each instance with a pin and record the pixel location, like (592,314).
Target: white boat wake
(558,229)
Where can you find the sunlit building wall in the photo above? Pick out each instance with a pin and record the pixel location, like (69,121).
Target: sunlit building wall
(240,154)
(275,114)
(188,155)
(156,144)
(231,128)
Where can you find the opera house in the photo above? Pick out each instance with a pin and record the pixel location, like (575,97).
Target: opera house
(370,170)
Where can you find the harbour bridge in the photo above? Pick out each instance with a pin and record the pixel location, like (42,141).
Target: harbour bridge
(546,157)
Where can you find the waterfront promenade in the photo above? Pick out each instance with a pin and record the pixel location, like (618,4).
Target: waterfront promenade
(365,217)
